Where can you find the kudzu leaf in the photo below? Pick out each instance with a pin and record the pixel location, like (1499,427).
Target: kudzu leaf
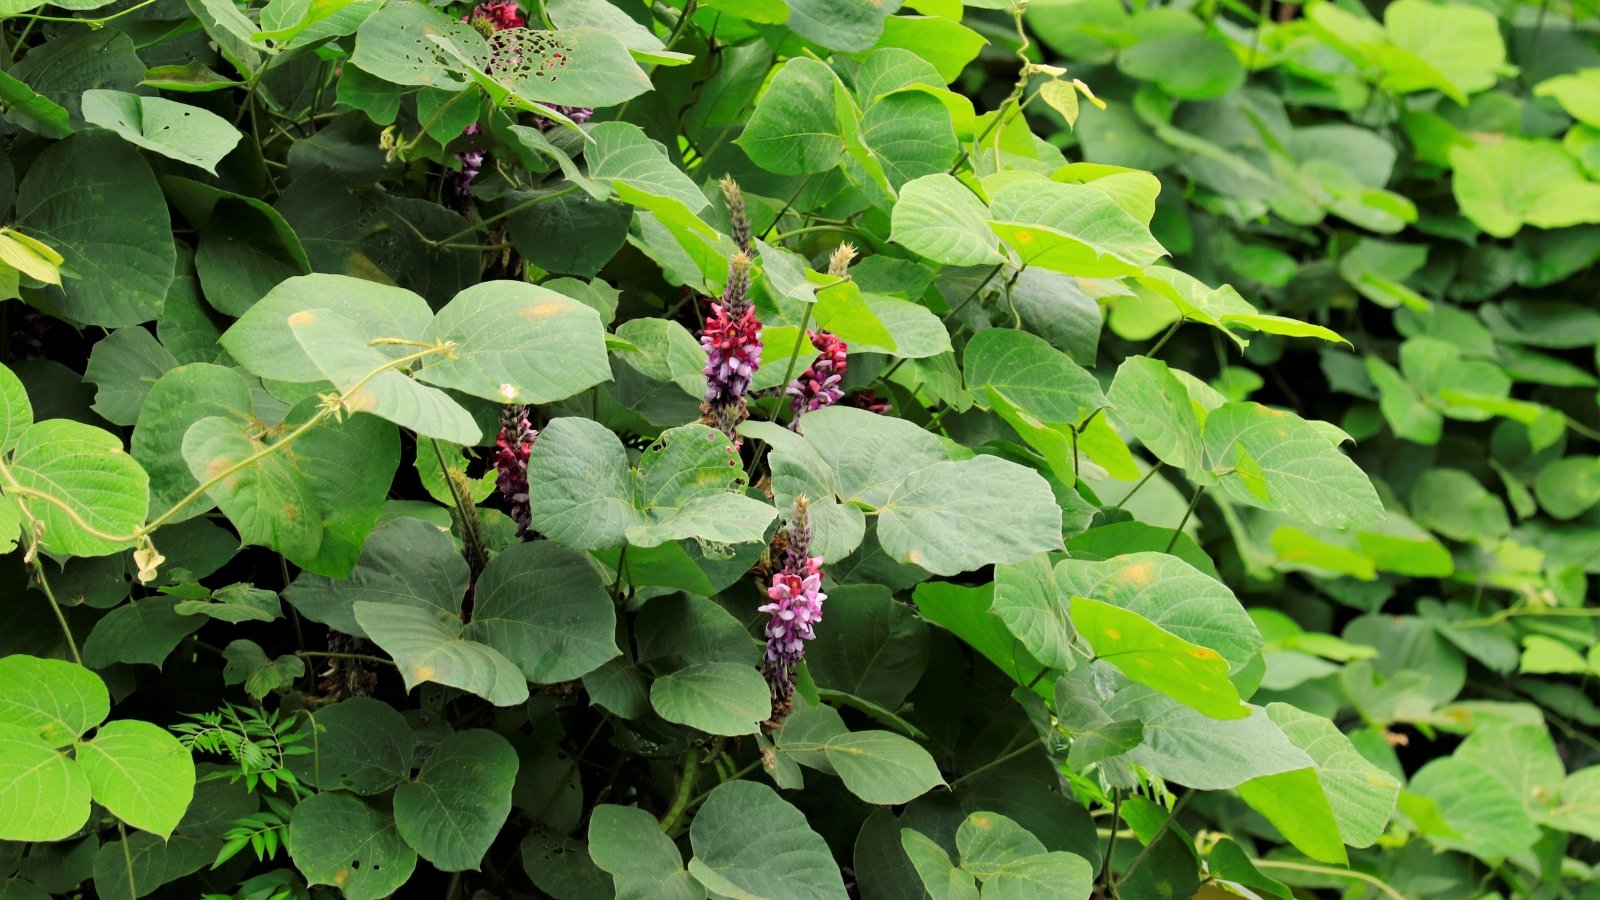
(363,745)
(176,130)
(97,493)
(264,495)
(429,646)
(44,796)
(748,840)
(1193,675)
(940,219)
(715,697)
(627,843)
(458,802)
(1301,473)
(51,699)
(140,773)
(339,839)
(793,129)
(1071,228)
(544,607)
(1034,376)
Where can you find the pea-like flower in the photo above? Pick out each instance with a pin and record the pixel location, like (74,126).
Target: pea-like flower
(795,605)
(512,447)
(488,18)
(818,386)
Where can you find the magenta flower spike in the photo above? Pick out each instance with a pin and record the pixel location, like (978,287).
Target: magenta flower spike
(512,447)
(732,341)
(795,605)
(818,386)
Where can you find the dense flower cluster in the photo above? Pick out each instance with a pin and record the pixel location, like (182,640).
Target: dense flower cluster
(732,334)
(818,386)
(871,402)
(488,18)
(512,447)
(795,605)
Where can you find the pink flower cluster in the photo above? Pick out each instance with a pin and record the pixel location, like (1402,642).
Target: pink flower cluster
(499,15)
(732,341)
(512,447)
(796,605)
(818,386)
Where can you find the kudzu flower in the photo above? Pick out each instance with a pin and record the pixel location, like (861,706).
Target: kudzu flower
(732,341)
(513,446)
(737,215)
(796,605)
(488,18)
(458,185)
(870,401)
(818,385)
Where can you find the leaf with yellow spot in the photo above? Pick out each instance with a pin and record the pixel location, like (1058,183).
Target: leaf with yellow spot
(1193,675)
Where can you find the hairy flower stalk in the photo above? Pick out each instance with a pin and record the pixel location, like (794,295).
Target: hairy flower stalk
(732,341)
(737,214)
(513,446)
(796,605)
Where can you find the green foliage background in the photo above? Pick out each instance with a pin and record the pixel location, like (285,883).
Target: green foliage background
(1211,511)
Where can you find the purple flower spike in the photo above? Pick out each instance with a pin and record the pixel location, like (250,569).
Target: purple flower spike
(818,386)
(732,341)
(795,608)
(513,446)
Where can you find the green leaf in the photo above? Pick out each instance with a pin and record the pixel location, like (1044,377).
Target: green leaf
(1456,49)
(394,44)
(1036,377)
(460,799)
(1157,408)
(1193,675)
(406,562)
(793,129)
(1301,472)
(428,646)
(942,879)
(877,766)
(155,862)
(544,607)
(124,365)
(939,219)
(1014,865)
(1578,93)
(43,795)
(911,134)
(595,67)
(92,486)
(246,247)
(1485,817)
(687,486)
(37,113)
(179,399)
(146,631)
(264,495)
(140,773)
(958,515)
(627,842)
(247,664)
(16,411)
(1172,594)
(1071,228)
(362,745)
(517,343)
(350,466)
(118,267)
(1569,487)
(1295,804)
(1361,795)
(625,156)
(748,841)
(965,613)
(339,839)
(53,700)
(1028,601)
(716,697)
(263,342)
(847,25)
(1193,749)
(179,131)
(1505,185)
(345,358)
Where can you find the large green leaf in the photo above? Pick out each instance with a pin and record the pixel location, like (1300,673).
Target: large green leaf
(146,631)
(878,766)
(140,773)
(517,343)
(544,607)
(1504,185)
(1361,795)
(16,411)
(940,219)
(1483,816)
(876,649)
(716,697)
(394,44)
(1034,376)
(625,156)
(1457,49)
(339,839)
(176,130)
(627,842)
(1173,595)
(793,129)
(179,399)
(43,795)
(350,466)
(118,267)
(1013,864)
(583,66)
(688,485)
(89,480)
(362,745)
(1295,803)
(407,562)
(263,341)
(1158,410)
(52,699)
(1193,675)
(264,495)
(124,365)
(848,25)
(1188,747)
(1028,601)
(357,369)
(911,135)
(1276,460)
(460,799)
(1072,228)
(748,841)
(428,646)
(959,515)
